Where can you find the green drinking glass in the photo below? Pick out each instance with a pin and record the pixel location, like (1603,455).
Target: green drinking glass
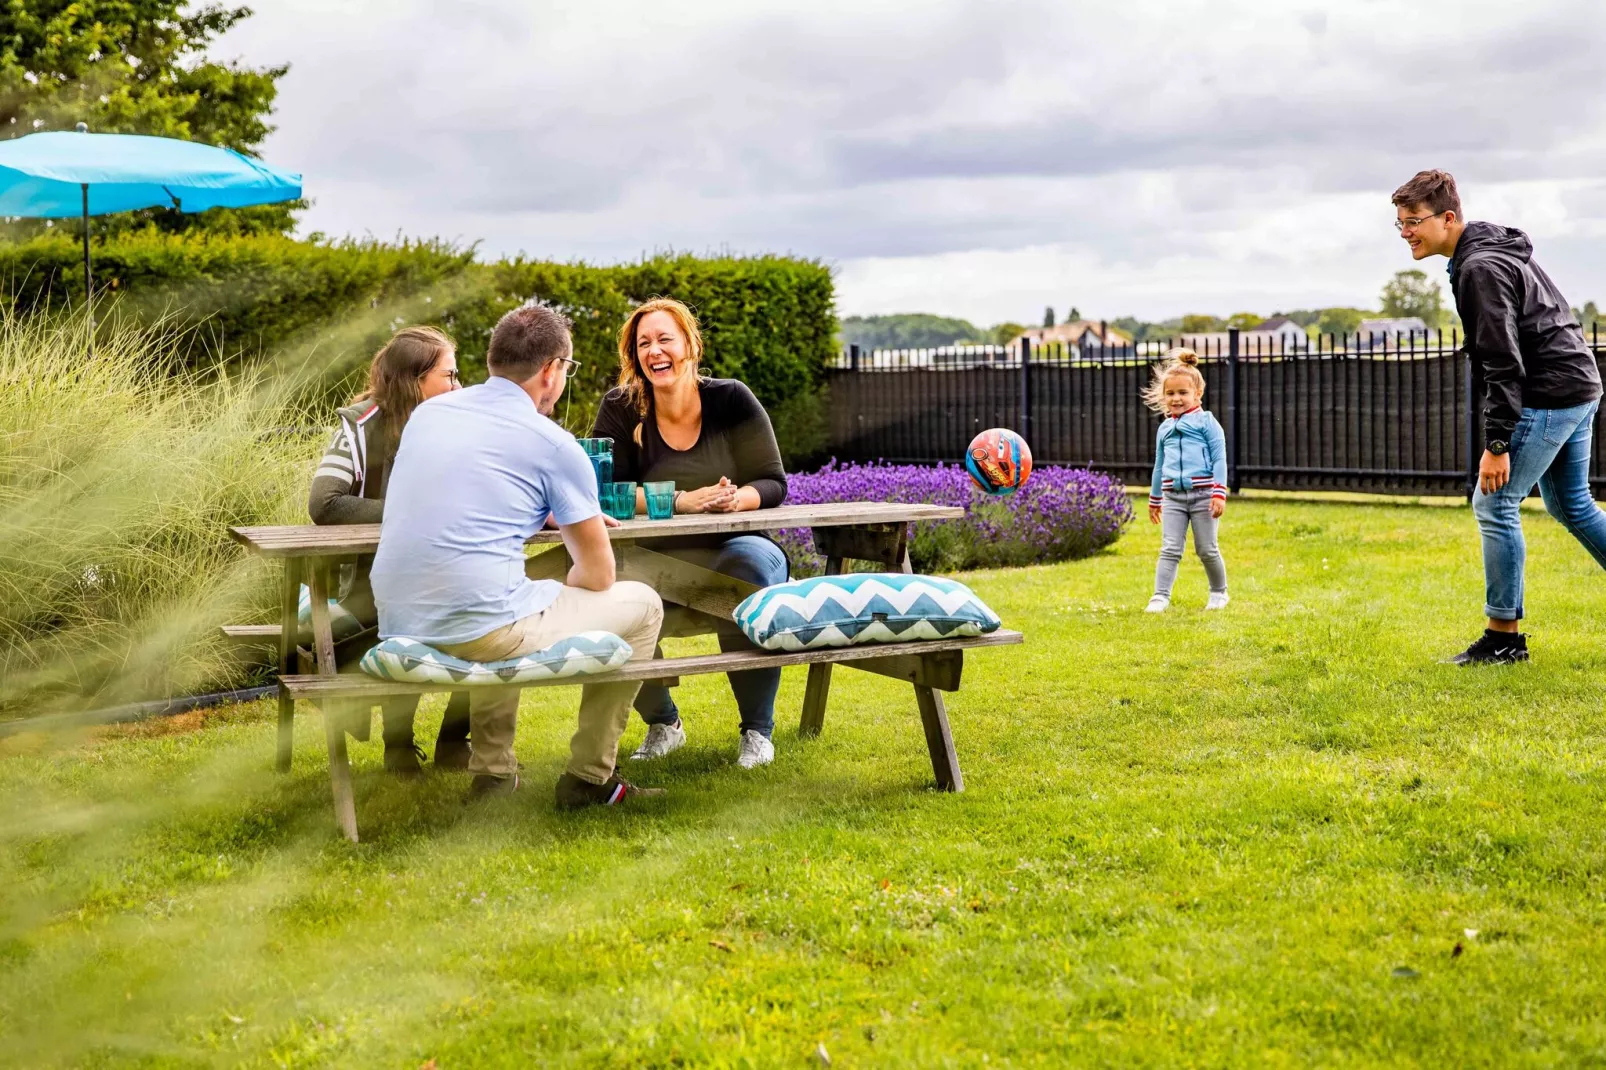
(660,499)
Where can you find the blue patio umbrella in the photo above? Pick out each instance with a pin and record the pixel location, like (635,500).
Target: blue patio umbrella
(56,175)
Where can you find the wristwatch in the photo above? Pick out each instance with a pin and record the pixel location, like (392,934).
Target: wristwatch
(1498,446)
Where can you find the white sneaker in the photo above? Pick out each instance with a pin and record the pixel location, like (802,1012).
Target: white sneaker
(1218,600)
(755,750)
(661,739)
(1158,604)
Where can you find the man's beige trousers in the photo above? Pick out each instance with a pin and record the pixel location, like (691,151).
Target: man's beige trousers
(630,610)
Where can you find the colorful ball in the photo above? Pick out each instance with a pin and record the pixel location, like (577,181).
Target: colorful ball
(999,461)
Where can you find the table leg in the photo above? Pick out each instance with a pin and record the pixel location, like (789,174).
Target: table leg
(323,635)
(819,685)
(934,718)
(939,740)
(289,595)
(334,729)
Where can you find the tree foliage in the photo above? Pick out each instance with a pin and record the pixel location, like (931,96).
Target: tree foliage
(1339,321)
(1589,317)
(137,67)
(1409,293)
(1048,316)
(1001,334)
(907,330)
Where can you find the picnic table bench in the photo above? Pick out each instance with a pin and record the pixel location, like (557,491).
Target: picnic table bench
(697,601)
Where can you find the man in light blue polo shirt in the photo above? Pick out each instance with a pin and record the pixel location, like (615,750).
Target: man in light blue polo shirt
(477,473)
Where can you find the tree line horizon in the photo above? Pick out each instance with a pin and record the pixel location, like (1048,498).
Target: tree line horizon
(1409,293)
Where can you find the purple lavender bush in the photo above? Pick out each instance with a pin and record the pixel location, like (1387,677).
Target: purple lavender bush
(1059,515)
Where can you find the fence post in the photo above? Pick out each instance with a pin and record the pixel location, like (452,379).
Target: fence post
(1233,482)
(853,357)
(1026,389)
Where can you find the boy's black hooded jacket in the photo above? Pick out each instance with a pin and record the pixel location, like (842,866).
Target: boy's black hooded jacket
(1527,348)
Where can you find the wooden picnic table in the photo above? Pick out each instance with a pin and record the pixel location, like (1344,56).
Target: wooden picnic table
(697,601)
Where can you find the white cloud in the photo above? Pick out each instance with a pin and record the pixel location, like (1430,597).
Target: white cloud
(970,157)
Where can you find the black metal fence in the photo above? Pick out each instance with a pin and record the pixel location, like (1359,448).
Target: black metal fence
(1377,414)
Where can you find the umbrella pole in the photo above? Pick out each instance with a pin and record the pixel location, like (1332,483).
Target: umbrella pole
(89,308)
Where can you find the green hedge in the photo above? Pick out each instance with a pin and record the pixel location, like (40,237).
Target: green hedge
(326,306)
(768,321)
(228,296)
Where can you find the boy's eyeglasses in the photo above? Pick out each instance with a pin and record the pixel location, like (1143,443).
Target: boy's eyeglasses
(1413,223)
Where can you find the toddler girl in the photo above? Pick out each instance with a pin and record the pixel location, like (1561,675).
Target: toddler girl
(1190,476)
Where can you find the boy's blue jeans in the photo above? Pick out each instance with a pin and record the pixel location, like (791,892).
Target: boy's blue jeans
(759,561)
(1549,447)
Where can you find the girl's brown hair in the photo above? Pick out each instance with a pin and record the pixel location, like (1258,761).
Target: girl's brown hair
(1182,363)
(398,367)
(632,382)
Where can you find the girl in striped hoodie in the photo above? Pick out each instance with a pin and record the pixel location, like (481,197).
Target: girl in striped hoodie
(1189,488)
(417,364)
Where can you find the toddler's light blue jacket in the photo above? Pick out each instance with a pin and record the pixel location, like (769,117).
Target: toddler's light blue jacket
(1189,451)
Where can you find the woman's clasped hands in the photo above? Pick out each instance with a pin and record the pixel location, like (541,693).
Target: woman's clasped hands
(719,498)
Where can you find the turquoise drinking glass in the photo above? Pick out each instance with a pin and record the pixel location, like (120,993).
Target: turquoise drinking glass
(660,499)
(600,451)
(621,501)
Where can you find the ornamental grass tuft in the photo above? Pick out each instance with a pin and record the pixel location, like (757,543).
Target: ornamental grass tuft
(1059,515)
(120,473)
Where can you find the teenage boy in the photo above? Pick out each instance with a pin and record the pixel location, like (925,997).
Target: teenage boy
(477,473)
(1540,385)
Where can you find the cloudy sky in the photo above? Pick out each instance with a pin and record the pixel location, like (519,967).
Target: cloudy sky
(981,159)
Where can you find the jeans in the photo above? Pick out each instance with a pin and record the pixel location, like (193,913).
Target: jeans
(1180,510)
(1549,447)
(759,561)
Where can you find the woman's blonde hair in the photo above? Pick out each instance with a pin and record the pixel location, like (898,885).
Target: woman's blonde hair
(398,367)
(1180,362)
(632,382)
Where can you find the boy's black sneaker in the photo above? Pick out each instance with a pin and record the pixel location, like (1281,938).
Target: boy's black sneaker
(576,794)
(404,759)
(485,784)
(1494,648)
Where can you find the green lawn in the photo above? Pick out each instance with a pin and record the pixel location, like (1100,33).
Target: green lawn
(1279,835)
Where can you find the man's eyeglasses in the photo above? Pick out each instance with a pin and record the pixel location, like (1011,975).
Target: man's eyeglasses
(570,366)
(1415,221)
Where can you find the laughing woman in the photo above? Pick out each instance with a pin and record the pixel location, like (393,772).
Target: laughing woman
(713,440)
(417,364)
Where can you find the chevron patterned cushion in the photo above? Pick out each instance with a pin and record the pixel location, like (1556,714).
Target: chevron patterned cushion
(341,621)
(866,607)
(409,661)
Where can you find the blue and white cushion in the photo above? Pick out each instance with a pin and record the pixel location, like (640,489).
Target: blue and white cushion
(409,661)
(342,623)
(866,607)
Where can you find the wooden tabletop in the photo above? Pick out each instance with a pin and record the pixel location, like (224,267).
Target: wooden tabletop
(334,540)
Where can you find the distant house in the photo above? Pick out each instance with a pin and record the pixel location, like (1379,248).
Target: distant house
(1278,335)
(1387,332)
(1086,337)
(1282,328)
